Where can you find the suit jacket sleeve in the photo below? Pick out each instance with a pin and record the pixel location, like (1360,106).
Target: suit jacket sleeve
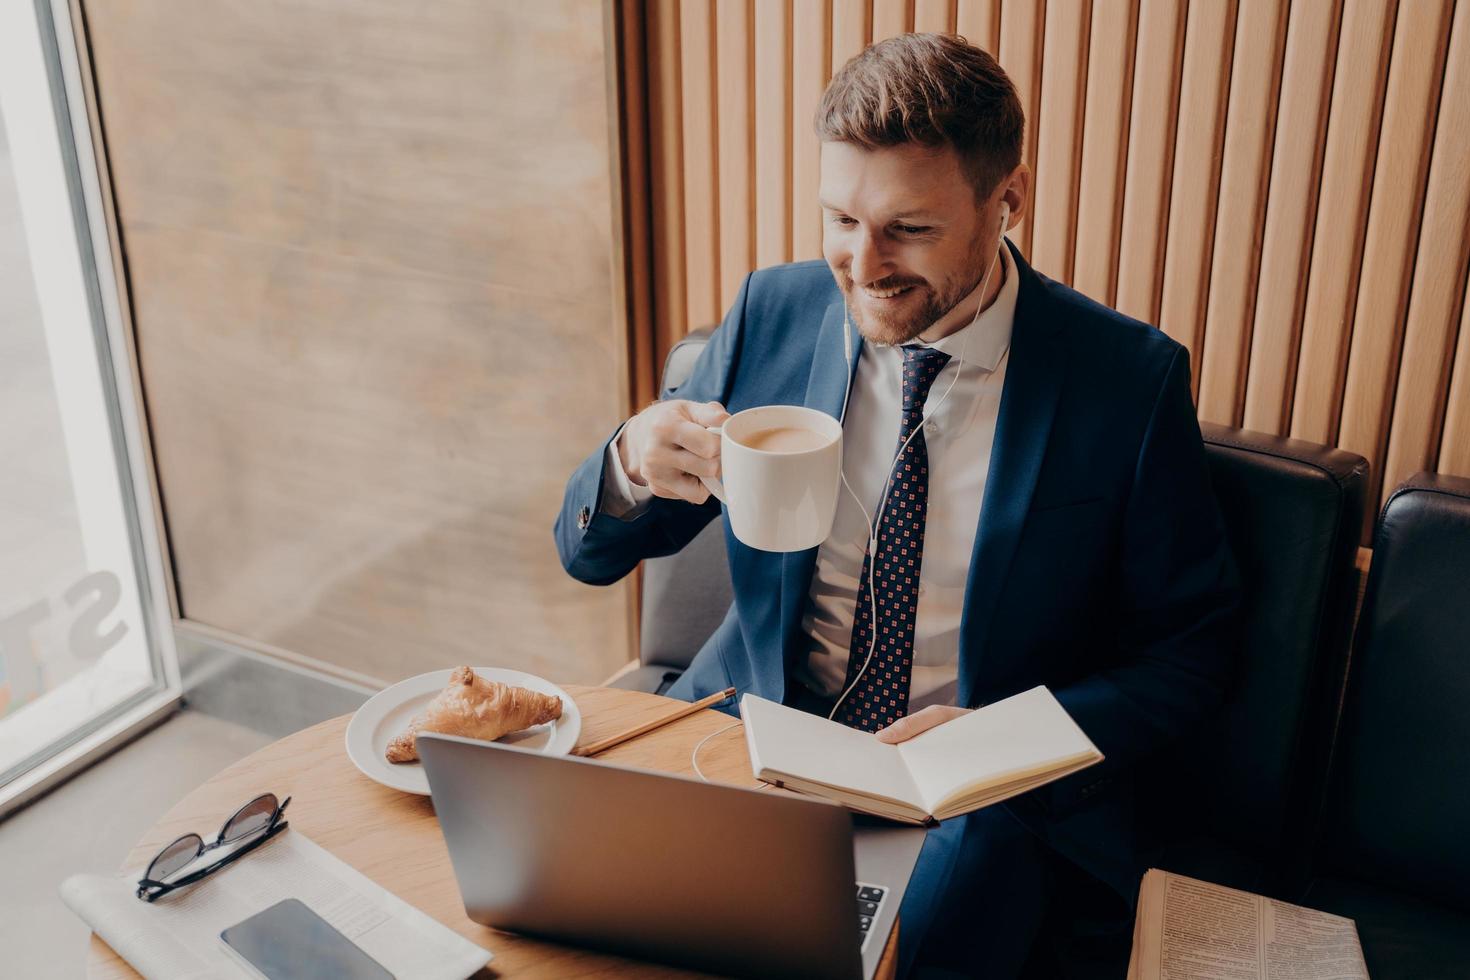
(1177,596)
(607,547)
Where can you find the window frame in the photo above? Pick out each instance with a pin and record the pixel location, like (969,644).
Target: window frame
(46,27)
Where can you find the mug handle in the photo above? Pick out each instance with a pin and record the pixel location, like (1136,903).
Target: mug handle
(714,486)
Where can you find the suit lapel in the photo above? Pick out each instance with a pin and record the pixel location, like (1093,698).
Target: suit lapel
(1028,403)
(827,381)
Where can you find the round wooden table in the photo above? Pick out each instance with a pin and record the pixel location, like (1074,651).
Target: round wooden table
(394,837)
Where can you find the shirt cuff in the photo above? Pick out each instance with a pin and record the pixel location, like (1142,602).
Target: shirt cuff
(621,498)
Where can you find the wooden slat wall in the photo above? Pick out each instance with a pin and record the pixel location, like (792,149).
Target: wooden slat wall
(1394,216)
(666,179)
(1282,185)
(1209,39)
(811,66)
(1244,178)
(1104,146)
(1152,123)
(1059,137)
(1438,273)
(696,124)
(1347,175)
(1296,177)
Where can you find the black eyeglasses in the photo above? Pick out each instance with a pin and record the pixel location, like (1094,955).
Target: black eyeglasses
(252,825)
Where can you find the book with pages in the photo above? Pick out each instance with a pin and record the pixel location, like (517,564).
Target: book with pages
(982,757)
(1194,930)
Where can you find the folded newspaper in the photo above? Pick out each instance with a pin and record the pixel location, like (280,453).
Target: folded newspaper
(178,936)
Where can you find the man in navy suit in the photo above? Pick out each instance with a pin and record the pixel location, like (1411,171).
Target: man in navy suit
(1054,523)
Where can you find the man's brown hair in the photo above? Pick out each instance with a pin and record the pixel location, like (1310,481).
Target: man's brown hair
(934,90)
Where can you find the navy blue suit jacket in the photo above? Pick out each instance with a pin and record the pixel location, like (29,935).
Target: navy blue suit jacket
(1100,566)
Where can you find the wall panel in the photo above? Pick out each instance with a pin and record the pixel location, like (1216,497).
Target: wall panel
(934,15)
(1439,277)
(852,29)
(978,21)
(1104,147)
(1059,137)
(811,66)
(1337,251)
(699,112)
(1454,447)
(1394,214)
(1244,178)
(1152,122)
(892,18)
(349,291)
(772,132)
(1204,88)
(735,144)
(1021,43)
(666,177)
(1296,174)
(1249,175)
(633,252)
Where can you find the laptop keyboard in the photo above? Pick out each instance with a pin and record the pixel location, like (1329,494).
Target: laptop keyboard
(869,900)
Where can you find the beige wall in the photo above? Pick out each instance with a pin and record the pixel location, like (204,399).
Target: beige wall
(1283,187)
(370,246)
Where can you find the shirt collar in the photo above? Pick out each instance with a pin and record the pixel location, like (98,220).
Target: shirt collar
(992,331)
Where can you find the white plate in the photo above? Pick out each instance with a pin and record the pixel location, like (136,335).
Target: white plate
(388,713)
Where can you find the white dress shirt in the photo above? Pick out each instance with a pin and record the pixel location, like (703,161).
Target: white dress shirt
(959,431)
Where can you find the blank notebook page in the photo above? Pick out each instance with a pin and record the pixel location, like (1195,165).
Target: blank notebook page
(786,741)
(1023,732)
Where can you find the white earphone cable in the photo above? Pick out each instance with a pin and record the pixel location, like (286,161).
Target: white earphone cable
(874,523)
(694,756)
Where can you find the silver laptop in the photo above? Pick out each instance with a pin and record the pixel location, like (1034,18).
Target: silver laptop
(734,881)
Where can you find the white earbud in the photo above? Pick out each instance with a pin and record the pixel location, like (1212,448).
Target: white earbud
(846,349)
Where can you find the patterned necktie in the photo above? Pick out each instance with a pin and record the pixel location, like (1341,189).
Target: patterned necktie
(882,696)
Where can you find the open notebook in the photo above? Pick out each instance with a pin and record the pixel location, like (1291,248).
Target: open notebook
(980,758)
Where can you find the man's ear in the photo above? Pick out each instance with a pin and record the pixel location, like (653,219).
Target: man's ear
(1016,192)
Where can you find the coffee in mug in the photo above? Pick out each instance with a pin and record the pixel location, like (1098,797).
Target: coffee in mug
(785,439)
(781,468)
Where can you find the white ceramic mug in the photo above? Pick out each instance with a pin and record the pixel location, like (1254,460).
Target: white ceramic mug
(779,501)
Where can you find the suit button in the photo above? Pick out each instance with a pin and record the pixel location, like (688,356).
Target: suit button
(584,517)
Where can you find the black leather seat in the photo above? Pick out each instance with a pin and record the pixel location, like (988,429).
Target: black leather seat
(1394,854)
(1235,804)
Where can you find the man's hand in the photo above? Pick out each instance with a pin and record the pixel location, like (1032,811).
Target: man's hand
(919,722)
(667,447)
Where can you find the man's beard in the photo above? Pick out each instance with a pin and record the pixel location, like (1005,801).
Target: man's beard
(902,326)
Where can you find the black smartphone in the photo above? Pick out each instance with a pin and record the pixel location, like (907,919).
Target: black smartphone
(288,941)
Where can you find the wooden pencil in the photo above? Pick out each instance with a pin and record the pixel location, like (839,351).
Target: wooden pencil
(603,744)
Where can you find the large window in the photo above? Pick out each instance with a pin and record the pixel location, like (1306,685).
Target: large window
(85,645)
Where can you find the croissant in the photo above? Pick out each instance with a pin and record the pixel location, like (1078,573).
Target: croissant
(474,707)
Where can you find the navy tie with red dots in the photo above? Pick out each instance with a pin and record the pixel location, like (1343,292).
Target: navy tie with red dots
(881,697)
